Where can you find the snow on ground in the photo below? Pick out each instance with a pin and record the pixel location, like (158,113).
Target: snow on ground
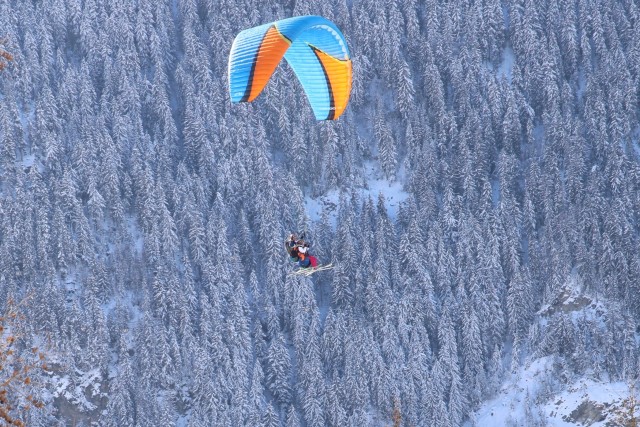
(375,185)
(535,395)
(508,407)
(392,192)
(136,235)
(585,402)
(28,160)
(504,70)
(506,67)
(78,389)
(635,142)
(573,300)
(315,206)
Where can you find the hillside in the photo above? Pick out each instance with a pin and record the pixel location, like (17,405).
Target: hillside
(480,199)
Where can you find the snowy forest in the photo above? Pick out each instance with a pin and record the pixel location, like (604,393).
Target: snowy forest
(479,199)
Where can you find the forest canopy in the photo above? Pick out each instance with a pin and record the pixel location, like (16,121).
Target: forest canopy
(146,213)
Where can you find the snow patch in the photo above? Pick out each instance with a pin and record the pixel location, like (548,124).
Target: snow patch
(77,390)
(525,398)
(136,235)
(504,70)
(495,192)
(28,160)
(582,85)
(635,142)
(506,67)
(589,402)
(572,300)
(392,191)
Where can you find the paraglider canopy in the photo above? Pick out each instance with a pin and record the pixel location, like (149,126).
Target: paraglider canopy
(315,49)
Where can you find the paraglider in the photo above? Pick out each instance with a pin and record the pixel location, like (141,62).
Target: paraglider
(315,49)
(299,252)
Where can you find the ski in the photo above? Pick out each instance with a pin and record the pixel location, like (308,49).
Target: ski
(309,271)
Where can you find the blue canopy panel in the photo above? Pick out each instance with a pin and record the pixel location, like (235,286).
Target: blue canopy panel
(314,48)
